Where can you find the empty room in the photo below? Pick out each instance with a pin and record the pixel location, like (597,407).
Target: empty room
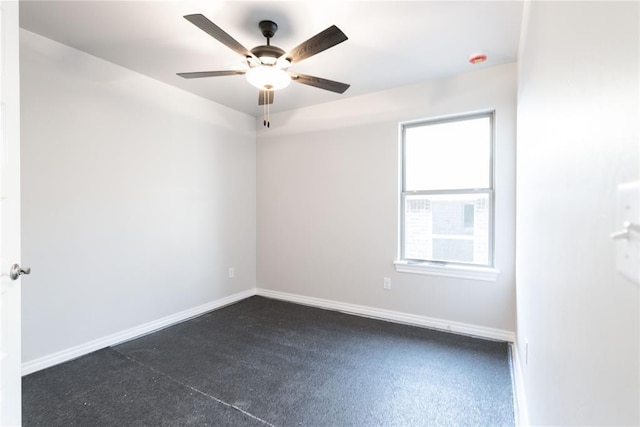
(341,213)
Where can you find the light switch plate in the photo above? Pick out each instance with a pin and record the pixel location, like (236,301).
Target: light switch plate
(628,250)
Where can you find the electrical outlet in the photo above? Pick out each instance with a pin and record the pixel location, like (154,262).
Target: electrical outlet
(232,272)
(386,283)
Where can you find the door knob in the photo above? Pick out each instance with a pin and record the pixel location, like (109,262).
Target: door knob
(17,271)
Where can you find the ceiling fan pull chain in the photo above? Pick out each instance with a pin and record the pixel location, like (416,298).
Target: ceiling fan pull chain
(264,109)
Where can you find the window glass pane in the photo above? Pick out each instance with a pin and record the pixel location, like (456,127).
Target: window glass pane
(448,228)
(450,155)
(459,250)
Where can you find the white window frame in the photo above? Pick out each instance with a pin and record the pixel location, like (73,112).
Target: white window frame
(439,268)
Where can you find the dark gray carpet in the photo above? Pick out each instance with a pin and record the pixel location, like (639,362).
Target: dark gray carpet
(266,362)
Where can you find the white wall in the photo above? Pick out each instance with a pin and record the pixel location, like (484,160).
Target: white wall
(136,198)
(577,139)
(328,201)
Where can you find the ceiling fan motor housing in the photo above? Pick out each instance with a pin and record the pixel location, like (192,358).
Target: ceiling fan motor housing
(267,51)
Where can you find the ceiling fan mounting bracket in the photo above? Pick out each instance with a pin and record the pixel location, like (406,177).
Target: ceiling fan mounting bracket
(268,29)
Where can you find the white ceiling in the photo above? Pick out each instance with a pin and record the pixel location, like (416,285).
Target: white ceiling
(391,43)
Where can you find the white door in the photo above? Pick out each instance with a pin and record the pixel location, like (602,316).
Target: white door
(10,378)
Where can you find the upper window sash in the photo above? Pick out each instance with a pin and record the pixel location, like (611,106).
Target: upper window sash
(408,126)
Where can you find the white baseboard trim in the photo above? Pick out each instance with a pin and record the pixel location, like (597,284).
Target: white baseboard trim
(376,313)
(520,397)
(122,336)
(393,316)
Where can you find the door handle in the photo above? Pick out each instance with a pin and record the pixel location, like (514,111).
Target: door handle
(627,232)
(17,271)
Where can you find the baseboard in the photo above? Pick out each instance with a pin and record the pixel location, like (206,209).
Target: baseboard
(519,395)
(376,313)
(393,316)
(137,331)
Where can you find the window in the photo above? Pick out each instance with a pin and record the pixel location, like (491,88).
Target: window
(447,193)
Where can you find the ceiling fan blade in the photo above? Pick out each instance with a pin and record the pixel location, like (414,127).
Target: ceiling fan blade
(321,83)
(265,97)
(217,33)
(316,44)
(200,74)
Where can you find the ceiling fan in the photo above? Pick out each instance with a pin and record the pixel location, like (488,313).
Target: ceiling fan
(267,65)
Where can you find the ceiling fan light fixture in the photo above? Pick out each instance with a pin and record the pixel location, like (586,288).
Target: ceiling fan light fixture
(266,77)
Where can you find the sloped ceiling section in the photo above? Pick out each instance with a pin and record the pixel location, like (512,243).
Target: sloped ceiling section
(391,43)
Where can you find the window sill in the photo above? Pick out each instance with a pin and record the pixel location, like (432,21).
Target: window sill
(488,274)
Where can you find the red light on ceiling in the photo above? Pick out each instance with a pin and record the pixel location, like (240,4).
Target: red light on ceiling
(477,58)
